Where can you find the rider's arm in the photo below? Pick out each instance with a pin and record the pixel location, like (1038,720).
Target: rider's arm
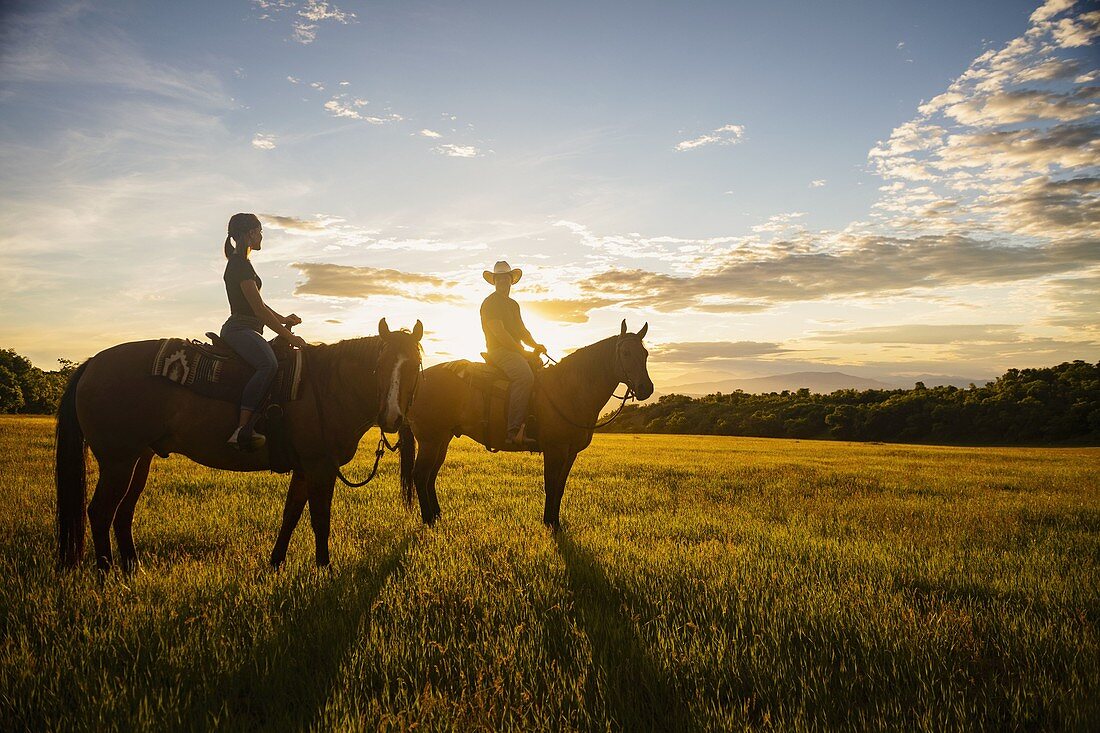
(265,314)
(289,321)
(496,327)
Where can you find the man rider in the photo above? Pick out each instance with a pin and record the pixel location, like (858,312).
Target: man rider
(505,335)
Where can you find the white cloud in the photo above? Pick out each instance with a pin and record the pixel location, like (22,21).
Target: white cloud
(457,151)
(724,135)
(343,105)
(307,16)
(429,133)
(263,141)
(818,183)
(293,80)
(1017,131)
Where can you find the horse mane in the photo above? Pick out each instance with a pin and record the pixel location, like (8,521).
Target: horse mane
(324,359)
(586,362)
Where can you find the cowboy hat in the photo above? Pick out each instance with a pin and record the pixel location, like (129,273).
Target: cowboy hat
(502,268)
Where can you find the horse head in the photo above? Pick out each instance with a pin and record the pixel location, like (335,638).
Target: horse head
(398,373)
(632,356)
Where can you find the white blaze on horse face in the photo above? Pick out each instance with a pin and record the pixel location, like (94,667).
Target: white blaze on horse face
(393,406)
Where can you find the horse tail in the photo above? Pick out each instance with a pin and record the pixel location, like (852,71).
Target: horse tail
(70,476)
(407,444)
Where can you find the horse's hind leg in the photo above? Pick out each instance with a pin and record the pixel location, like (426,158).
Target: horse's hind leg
(114,481)
(296,496)
(428,460)
(124,517)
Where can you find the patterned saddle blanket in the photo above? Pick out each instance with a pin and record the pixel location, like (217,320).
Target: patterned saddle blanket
(220,374)
(491,384)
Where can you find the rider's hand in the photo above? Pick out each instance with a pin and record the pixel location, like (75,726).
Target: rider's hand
(296,341)
(292,320)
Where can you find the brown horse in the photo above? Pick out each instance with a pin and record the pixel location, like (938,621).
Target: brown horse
(567,401)
(114,406)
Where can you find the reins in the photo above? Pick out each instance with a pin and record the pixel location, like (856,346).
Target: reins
(383,441)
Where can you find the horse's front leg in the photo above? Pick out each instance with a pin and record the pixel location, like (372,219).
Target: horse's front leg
(320,513)
(296,496)
(556,467)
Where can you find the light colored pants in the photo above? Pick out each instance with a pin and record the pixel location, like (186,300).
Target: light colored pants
(254,349)
(519,374)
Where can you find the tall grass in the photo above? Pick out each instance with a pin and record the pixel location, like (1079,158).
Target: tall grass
(699,583)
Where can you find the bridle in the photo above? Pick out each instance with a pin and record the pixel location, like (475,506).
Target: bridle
(623,377)
(383,442)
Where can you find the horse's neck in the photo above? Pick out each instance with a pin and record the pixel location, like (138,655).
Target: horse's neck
(351,402)
(589,379)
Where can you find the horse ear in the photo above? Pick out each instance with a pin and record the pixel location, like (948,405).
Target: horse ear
(623,331)
(645,329)
(418,330)
(383,328)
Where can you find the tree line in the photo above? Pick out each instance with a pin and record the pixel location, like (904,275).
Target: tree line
(1052,404)
(24,388)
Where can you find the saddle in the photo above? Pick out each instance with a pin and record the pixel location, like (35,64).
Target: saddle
(494,388)
(215,371)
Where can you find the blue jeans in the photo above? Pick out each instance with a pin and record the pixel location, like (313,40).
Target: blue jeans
(522,379)
(241,334)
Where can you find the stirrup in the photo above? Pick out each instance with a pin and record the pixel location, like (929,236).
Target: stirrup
(252,440)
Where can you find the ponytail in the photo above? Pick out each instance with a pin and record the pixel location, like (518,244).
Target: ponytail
(239,226)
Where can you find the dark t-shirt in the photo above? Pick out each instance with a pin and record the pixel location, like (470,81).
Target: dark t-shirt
(500,308)
(237,270)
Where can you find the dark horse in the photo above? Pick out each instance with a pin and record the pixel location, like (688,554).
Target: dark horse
(567,401)
(114,406)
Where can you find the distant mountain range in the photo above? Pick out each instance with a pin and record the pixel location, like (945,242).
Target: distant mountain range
(821,382)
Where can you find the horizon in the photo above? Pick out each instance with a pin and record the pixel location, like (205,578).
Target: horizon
(882,192)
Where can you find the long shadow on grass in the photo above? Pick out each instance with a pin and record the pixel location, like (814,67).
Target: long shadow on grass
(288,680)
(636,692)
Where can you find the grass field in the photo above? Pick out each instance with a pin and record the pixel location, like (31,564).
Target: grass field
(699,583)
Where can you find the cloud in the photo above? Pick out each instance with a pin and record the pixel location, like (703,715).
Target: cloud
(1075,302)
(569,311)
(343,281)
(72,46)
(780,222)
(725,135)
(429,133)
(818,183)
(1077,32)
(923,334)
(292,223)
(263,141)
(344,105)
(1026,105)
(457,151)
(1046,207)
(694,352)
(860,265)
(1020,118)
(307,17)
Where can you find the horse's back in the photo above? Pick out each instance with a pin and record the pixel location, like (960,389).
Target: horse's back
(120,403)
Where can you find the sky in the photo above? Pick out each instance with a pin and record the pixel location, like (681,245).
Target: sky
(884,189)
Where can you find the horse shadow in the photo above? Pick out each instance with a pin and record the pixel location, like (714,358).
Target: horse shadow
(637,694)
(289,677)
